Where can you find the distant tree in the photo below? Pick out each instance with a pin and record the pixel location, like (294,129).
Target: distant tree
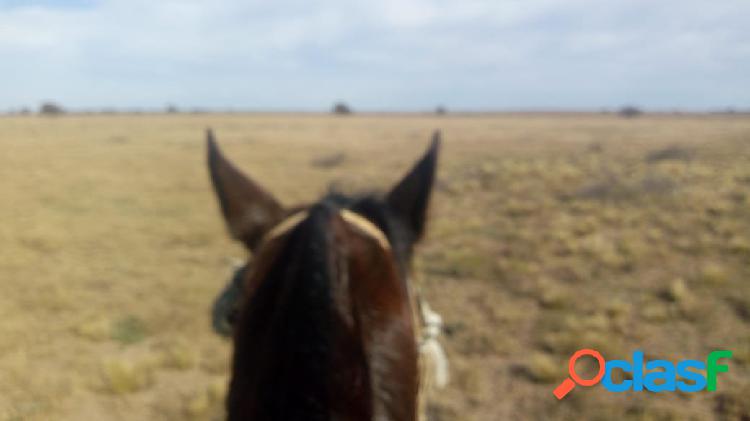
(51,108)
(630,111)
(341,108)
(441,110)
(24,111)
(171,109)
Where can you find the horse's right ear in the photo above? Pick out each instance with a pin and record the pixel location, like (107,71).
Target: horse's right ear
(410,198)
(249,210)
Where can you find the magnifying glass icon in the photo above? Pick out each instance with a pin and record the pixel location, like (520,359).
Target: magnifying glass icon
(570,383)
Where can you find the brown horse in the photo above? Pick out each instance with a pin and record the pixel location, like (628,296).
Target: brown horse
(325,328)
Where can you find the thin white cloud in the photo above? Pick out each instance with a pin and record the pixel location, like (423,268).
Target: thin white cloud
(384,54)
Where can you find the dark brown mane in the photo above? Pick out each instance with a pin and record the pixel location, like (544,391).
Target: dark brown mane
(305,332)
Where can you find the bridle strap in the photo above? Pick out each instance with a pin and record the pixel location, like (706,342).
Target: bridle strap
(366,227)
(358,222)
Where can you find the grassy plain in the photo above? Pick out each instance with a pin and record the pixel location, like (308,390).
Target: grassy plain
(549,233)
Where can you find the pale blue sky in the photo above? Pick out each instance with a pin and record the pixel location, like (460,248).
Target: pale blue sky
(377,55)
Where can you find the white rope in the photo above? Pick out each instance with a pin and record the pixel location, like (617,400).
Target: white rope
(430,347)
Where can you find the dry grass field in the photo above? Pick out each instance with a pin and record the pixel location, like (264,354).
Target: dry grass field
(548,234)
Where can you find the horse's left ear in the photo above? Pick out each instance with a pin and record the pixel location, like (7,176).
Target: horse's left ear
(410,198)
(249,210)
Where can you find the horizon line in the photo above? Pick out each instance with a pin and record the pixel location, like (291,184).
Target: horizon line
(437,110)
